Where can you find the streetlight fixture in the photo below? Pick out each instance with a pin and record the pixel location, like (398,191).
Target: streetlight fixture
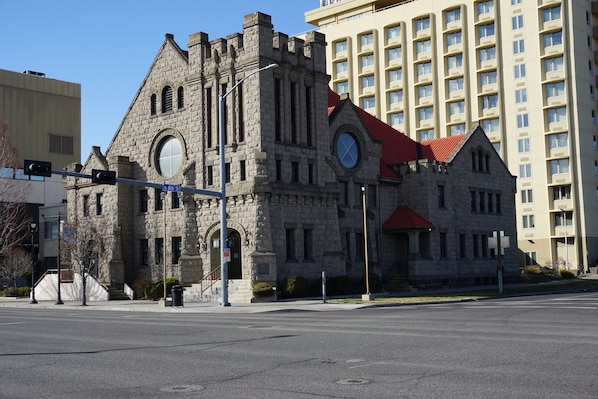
(32,230)
(58,297)
(224,250)
(367,296)
(566,242)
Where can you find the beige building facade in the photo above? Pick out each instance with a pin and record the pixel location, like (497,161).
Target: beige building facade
(524,70)
(296,159)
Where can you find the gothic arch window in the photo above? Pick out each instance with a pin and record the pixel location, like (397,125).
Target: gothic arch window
(180,97)
(166,99)
(153,101)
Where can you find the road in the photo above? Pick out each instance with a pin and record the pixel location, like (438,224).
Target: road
(527,347)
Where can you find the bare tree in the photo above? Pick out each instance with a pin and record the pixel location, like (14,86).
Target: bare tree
(82,246)
(13,196)
(15,263)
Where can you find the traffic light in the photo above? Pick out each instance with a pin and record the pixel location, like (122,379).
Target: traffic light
(103,176)
(37,168)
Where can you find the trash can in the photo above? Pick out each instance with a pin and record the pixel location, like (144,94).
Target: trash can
(177,295)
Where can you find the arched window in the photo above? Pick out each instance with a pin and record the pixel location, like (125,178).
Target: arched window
(180,97)
(474,163)
(487,163)
(153,100)
(167,99)
(480,161)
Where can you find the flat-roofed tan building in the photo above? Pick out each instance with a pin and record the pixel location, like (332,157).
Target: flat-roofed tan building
(523,70)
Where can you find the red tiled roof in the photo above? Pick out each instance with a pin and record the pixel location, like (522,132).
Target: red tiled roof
(404,218)
(441,149)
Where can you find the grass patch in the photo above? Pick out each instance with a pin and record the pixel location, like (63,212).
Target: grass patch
(524,289)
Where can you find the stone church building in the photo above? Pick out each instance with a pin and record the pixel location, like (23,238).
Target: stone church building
(298,160)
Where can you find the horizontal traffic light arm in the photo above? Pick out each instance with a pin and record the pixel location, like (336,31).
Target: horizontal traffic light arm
(189,190)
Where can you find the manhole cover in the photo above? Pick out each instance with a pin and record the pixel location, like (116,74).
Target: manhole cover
(352,381)
(182,388)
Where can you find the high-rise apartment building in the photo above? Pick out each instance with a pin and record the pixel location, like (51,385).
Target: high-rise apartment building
(523,70)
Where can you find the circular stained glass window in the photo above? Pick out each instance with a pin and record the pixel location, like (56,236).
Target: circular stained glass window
(348,150)
(170,156)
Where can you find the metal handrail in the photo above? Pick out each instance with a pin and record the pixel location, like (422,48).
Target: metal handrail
(209,280)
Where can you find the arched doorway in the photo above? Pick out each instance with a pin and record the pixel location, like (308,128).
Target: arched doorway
(234,243)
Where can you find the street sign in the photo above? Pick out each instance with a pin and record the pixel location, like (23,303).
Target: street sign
(172,187)
(226,253)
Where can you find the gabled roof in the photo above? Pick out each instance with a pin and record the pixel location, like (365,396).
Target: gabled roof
(397,148)
(404,218)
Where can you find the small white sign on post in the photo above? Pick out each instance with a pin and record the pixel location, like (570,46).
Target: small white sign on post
(226,254)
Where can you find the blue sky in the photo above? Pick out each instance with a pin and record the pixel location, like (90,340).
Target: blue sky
(108,46)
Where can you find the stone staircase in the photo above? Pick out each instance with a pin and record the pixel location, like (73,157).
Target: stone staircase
(116,292)
(239,291)
(397,283)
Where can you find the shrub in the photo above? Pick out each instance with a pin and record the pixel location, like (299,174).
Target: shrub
(294,286)
(567,274)
(338,285)
(11,291)
(531,270)
(375,283)
(156,290)
(24,291)
(139,285)
(262,289)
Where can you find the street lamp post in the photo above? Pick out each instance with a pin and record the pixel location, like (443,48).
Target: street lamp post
(223,234)
(32,230)
(367,296)
(58,298)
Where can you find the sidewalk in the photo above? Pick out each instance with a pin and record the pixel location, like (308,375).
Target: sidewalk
(312,304)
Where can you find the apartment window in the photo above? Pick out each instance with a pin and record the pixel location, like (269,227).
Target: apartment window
(553,64)
(51,229)
(556,115)
(395,75)
(367,60)
(456,130)
(86,205)
(517,22)
(440,196)
(290,244)
(242,171)
(475,246)
(397,119)
(518,46)
(342,87)
(551,14)
(175,200)
(561,193)
(455,85)
(523,145)
(368,102)
(496,147)
(462,246)
(490,101)
(490,125)
(559,166)
(522,121)
(394,53)
(426,135)
(308,244)
(176,249)
(457,108)
(553,39)
(424,91)
(443,245)
(472,200)
(488,78)
(99,197)
(158,200)
(166,99)
(525,171)
(395,97)
(393,32)
(487,53)
(531,257)
(454,38)
(341,67)
(596,168)
(423,46)
(144,251)
(424,68)
(454,61)
(515,2)
(310,173)
(340,47)
(143,200)
(594,143)
(528,222)
(453,15)
(486,30)
(426,113)
(519,71)
(61,144)
(367,81)
(490,203)
(278,170)
(560,140)
(158,251)
(527,196)
(366,39)
(520,96)
(556,89)
(422,24)
(485,7)
(295,172)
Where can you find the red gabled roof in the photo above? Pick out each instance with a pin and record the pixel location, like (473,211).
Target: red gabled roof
(404,218)
(441,149)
